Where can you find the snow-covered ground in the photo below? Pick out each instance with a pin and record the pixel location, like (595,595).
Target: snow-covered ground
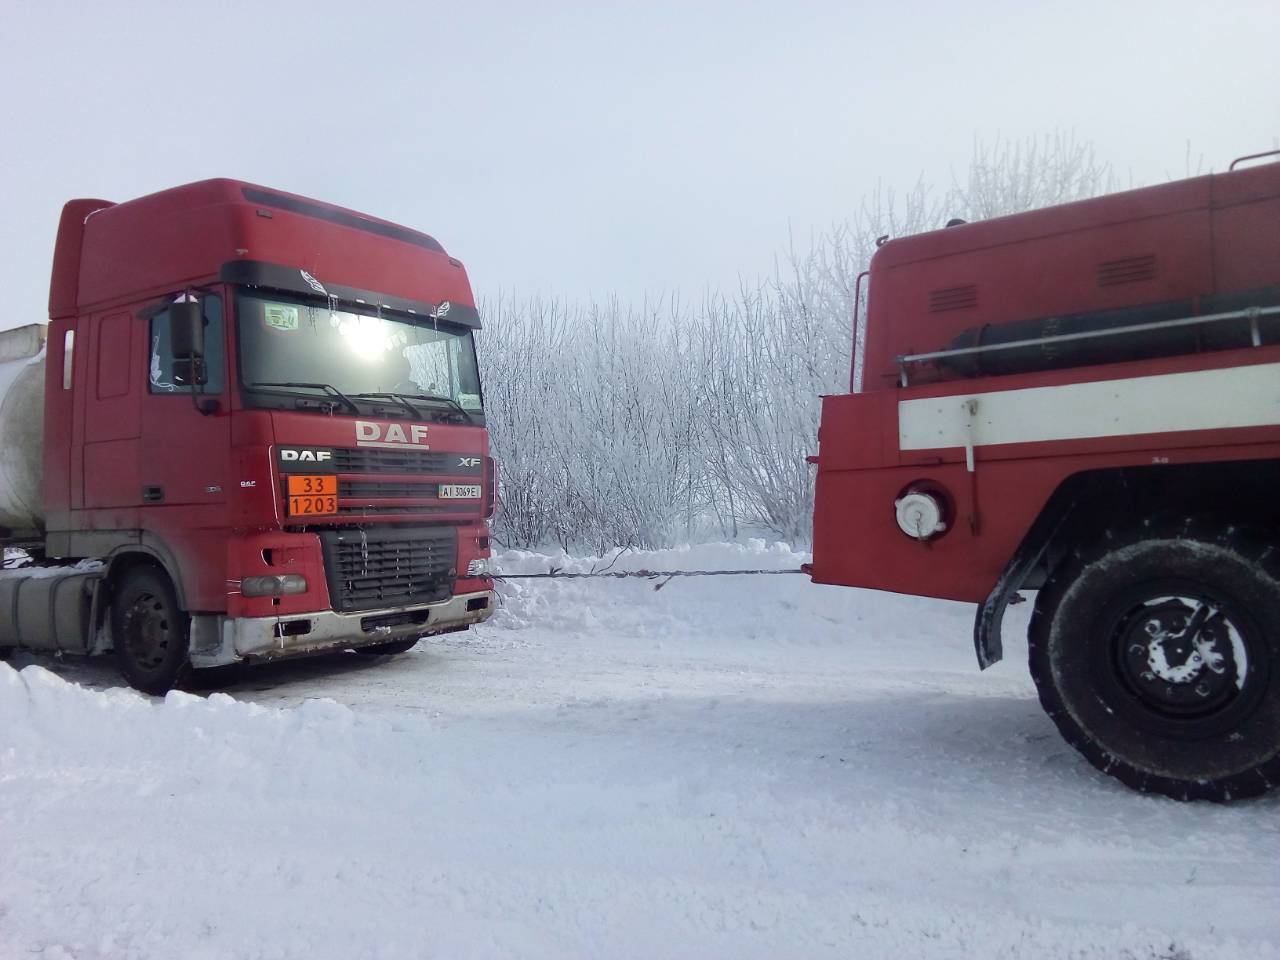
(728,767)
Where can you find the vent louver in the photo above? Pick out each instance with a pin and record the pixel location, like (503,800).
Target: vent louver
(953,298)
(1126,270)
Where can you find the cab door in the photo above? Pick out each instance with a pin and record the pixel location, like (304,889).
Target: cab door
(184,455)
(185,452)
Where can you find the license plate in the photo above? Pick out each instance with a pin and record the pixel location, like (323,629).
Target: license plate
(459,491)
(312,496)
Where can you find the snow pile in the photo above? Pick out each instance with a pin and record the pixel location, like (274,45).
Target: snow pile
(18,561)
(724,768)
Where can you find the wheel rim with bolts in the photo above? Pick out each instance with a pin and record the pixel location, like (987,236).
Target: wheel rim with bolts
(147,631)
(1184,658)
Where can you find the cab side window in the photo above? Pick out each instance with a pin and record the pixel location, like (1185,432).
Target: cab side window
(160,370)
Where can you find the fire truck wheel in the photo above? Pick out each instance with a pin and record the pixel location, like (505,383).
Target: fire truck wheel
(150,632)
(388,648)
(1158,657)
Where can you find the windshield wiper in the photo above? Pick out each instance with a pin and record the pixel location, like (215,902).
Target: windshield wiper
(430,396)
(326,387)
(398,398)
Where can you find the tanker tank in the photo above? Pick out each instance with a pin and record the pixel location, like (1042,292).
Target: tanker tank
(22,431)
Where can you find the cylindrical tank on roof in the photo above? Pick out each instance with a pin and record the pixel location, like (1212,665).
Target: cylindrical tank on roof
(22,429)
(1039,355)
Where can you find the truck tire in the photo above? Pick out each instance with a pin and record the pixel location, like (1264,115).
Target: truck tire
(1157,655)
(389,648)
(150,632)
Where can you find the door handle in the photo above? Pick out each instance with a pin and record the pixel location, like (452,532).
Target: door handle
(152,494)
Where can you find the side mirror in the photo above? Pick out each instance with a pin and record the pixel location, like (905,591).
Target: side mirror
(186,329)
(186,335)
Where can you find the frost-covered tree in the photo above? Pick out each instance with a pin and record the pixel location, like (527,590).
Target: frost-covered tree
(621,425)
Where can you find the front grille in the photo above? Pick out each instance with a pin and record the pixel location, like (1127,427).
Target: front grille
(421,510)
(379,460)
(399,566)
(375,490)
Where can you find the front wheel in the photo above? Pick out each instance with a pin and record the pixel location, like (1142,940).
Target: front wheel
(150,632)
(1158,658)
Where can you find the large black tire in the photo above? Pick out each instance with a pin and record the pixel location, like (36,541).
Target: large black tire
(389,648)
(150,632)
(1157,654)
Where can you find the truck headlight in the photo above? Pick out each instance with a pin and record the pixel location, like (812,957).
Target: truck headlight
(279,585)
(478,568)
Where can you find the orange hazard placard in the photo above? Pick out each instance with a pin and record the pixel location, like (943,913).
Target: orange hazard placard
(312,496)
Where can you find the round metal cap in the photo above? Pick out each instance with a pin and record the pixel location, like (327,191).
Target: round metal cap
(919,516)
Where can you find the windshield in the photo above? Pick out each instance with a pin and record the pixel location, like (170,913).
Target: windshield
(323,351)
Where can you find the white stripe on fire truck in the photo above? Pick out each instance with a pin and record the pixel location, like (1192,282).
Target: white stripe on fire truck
(1219,399)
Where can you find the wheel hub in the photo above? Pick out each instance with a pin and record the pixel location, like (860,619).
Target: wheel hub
(1178,656)
(147,631)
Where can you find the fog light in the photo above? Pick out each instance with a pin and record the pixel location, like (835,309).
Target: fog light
(478,568)
(280,585)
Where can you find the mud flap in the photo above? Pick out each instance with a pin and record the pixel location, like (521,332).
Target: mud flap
(987,640)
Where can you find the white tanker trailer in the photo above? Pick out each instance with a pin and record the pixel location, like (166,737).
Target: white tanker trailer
(22,434)
(42,608)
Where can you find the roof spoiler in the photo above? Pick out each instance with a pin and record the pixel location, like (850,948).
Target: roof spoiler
(64,284)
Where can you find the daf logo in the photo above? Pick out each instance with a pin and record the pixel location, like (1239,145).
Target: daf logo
(468,461)
(305,456)
(369,434)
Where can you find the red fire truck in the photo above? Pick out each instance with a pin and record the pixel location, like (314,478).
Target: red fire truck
(256,430)
(1084,401)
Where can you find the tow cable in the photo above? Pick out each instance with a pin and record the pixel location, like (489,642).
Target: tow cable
(666,576)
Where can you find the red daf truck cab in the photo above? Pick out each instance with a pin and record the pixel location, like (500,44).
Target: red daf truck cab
(1084,400)
(263,417)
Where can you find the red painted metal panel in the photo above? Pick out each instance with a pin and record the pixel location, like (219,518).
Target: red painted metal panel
(1246,244)
(185,235)
(112,408)
(64,283)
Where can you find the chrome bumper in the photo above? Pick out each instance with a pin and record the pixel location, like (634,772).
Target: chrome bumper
(269,638)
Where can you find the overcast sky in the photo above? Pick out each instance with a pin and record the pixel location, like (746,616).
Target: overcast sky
(597,148)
